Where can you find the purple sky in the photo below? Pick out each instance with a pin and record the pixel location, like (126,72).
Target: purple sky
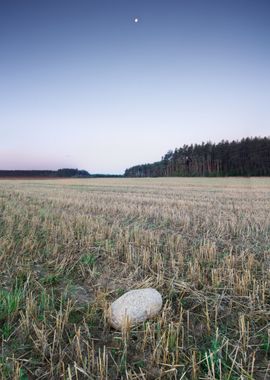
(82,85)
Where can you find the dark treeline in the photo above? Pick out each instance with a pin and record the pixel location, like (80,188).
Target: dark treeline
(65,173)
(106,175)
(248,157)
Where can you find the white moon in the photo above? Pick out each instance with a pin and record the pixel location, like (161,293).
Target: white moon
(136,19)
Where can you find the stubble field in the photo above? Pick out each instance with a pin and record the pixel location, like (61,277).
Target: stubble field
(70,247)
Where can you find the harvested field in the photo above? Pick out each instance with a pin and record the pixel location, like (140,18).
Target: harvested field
(68,248)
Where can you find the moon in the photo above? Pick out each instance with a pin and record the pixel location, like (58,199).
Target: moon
(136,20)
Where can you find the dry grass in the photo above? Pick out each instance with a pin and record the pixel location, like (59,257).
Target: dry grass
(70,247)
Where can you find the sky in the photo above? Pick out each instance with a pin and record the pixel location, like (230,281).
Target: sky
(83,85)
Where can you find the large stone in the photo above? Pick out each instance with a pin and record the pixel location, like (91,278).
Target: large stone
(134,307)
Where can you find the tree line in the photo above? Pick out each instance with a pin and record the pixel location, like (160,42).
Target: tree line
(63,173)
(248,157)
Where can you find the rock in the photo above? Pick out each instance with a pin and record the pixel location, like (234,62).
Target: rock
(78,294)
(134,307)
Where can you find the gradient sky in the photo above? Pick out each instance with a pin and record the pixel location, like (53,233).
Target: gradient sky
(82,85)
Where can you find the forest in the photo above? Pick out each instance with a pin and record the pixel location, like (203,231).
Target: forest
(248,157)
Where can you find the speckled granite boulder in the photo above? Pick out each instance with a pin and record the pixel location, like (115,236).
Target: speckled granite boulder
(134,307)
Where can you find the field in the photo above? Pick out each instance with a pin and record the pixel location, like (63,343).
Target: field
(70,247)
